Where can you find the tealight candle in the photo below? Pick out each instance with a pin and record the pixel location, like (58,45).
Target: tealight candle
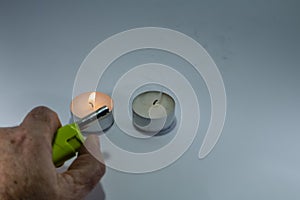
(88,102)
(153,111)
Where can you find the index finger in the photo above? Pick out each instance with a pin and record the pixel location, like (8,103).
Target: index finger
(86,171)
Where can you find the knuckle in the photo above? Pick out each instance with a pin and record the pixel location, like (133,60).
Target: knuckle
(44,114)
(99,173)
(43,110)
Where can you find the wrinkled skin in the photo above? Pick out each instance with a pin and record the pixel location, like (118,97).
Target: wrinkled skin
(26,167)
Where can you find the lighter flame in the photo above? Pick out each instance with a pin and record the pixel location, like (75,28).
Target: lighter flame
(92,99)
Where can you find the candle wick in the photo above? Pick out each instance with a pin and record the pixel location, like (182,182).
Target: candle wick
(91,104)
(158,99)
(155,102)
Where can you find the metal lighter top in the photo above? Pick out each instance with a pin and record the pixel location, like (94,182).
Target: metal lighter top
(68,139)
(84,122)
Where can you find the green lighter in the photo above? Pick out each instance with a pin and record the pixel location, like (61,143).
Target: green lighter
(68,139)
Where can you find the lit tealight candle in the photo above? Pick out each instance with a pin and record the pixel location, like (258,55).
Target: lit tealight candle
(88,102)
(153,111)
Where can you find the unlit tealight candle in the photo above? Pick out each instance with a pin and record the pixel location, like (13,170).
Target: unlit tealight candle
(153,111)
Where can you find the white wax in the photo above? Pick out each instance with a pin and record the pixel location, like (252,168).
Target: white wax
(153,111)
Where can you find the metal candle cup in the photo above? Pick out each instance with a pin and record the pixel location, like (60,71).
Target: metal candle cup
(153,111)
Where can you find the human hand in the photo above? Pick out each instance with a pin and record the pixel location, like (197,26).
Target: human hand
(26,167)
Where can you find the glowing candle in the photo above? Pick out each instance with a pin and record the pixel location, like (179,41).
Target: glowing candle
(87,103)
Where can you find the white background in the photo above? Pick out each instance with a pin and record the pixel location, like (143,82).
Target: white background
(255,45)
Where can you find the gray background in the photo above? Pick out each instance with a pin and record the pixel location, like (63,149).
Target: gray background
(255,45)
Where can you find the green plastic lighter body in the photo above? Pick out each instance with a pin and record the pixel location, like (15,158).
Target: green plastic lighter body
(66,143)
